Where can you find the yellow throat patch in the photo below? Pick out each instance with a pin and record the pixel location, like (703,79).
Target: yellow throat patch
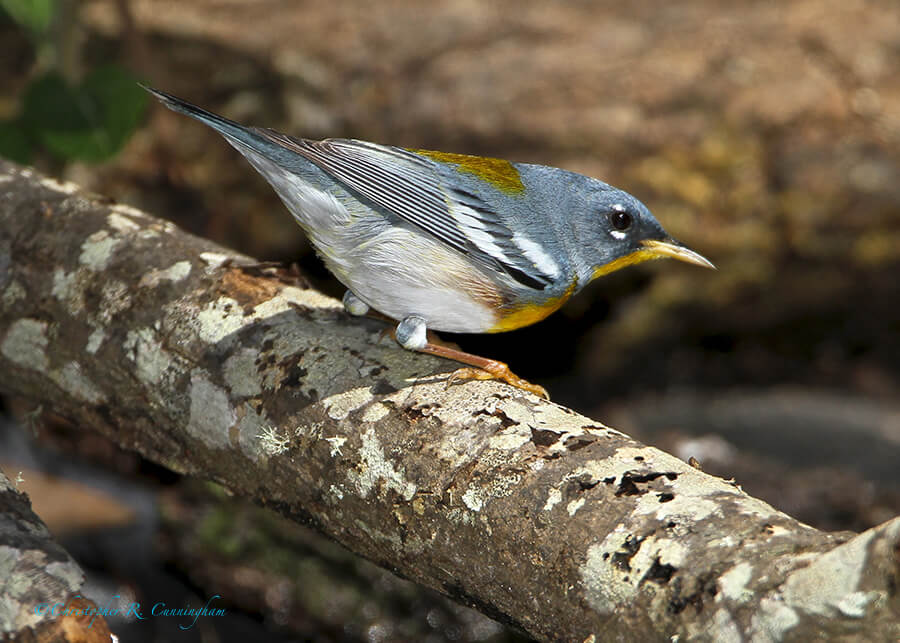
(638,256)
(499,173)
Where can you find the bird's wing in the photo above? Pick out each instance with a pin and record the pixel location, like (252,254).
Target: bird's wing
(410,186)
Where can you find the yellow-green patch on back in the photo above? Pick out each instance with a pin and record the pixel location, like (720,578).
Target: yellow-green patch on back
(499,173)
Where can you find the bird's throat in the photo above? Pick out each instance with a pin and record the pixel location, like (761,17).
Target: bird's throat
(638,256)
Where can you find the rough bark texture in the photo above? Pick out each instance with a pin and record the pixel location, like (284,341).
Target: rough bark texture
(532,513)
(39,581)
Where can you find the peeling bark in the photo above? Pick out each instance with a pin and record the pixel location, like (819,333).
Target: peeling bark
(535,515)
(39,581)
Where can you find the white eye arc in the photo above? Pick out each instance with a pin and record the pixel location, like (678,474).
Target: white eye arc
(619,219)
(617,234)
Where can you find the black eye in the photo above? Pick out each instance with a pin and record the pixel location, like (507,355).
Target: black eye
(620,220)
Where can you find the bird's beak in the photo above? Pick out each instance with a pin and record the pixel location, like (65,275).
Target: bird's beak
(674,249)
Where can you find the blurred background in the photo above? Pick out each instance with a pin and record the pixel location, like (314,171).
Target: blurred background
(765,135)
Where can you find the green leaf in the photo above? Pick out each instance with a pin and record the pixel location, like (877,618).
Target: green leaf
(14,143)
(122,100)
(90,122)
(34,15)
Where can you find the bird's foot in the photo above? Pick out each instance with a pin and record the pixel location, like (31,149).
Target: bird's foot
(494,370)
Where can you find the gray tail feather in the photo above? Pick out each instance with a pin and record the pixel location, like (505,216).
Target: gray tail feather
(234,132)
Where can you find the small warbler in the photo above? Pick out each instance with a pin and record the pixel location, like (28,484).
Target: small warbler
(449,242)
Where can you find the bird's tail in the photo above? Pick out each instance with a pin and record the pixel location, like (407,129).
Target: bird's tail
(237,134)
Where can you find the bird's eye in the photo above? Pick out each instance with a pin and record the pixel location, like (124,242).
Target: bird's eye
(620,220)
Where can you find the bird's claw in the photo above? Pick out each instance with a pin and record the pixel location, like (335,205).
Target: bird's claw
(497,371)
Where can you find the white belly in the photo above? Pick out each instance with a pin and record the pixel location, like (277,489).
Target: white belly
(401,273)
(394,270)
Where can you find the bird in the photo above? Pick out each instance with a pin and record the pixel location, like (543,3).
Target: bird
(441,241)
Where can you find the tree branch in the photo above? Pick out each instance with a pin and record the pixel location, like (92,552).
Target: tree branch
(39,581)
(538,516)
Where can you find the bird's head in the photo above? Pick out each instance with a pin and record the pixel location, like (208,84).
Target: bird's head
(620,231)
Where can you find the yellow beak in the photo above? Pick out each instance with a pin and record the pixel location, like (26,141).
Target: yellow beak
(654,249)
(672,248)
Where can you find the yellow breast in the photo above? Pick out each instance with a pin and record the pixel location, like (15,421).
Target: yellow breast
(531,313)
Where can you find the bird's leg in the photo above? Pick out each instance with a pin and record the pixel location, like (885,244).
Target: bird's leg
(354,305)
(412,334)
(484,369)
(358,308)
